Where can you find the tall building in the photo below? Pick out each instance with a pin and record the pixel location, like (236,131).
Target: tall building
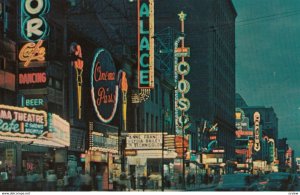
(210,34)
(239,101)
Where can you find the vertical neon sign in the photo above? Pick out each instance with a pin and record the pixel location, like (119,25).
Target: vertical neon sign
(181,68)
(34,26)
(145,44)
(256,118)
(77,63)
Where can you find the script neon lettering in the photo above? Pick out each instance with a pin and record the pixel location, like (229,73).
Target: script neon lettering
(99,75)
(32,51)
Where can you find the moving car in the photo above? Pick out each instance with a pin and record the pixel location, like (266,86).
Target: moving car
(279,182)
(235,182)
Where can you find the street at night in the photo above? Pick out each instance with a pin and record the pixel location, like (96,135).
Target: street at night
(149,96)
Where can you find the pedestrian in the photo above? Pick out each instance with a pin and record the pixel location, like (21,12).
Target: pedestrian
(132,180)
(86,181)
(206,178)
(144,182)
(66,181)
(193,179)
(51,180)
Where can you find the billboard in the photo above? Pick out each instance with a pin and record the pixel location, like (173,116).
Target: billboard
(59,129)
(104,86)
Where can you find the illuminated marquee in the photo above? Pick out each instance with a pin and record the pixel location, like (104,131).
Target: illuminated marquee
(104,86)
(145,141)
(145,44)
(16,121)
(34,26)
(256,118)
(60,129)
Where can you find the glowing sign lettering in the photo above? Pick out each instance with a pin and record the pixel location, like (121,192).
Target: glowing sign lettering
(22,120)
(256,117)
(34,102)
(104,86)
(34,25)
(145,44)
(32,51)
(32,78)
(183,104)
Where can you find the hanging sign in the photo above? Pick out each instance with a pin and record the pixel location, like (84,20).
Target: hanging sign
(104,86)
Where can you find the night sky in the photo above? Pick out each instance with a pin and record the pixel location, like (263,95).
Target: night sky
(268,60)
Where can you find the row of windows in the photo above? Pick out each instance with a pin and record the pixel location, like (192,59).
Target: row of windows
(55,83)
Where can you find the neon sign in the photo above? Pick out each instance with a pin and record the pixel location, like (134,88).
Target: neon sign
(32,51)
(34,26)
(32,78)
(256,118)
(77,63)
(16,121)
(104,86)
(182,68)
(145,44)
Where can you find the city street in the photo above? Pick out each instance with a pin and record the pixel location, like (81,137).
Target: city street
(149,95)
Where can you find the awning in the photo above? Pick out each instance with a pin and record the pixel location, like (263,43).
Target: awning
(32,141)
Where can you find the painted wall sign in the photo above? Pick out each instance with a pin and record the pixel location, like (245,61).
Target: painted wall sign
(256,118)
(16,121)
(34,25)
(145,44)
(104,86)
(144,141)
(32,52)
(32,78)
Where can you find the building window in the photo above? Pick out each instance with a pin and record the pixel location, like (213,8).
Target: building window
(138,119)
(152,123)
(151,94)
(156,93)
(147,121)
(55,108)
(2,63)
(156,123)
(162,98)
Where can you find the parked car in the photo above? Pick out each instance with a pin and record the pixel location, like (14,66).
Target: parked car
(279,182)
(235,182)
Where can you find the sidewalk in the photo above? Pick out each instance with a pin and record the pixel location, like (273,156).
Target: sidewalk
(200,187)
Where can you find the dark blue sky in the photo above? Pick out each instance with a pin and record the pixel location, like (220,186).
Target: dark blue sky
(268,60)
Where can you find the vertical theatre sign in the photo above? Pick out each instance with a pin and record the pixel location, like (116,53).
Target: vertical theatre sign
(182,69)
(104,86)
(145,44)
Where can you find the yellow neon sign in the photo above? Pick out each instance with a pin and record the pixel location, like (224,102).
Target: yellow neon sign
(32,51)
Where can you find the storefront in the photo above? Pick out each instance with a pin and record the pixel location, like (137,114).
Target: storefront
(29,139)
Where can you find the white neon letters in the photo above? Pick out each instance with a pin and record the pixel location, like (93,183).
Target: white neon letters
(34,26)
